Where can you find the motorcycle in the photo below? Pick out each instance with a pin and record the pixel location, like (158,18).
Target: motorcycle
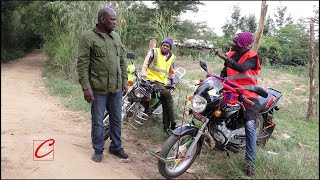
(215,123)
(141,94)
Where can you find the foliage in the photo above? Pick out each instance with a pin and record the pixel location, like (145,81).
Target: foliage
(270,51)
(269,27)
(239,23)
(56,26)
(295,45)
(11,55)
(223,43)
(162,25)
(177,7)
(281,18)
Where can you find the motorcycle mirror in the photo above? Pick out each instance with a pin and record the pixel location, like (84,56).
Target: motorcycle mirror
(131,55)
(203,65)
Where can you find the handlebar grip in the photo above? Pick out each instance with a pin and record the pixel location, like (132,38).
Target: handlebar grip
(246,100)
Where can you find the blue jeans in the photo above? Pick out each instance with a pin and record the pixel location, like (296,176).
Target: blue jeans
(251,142)
(111,102)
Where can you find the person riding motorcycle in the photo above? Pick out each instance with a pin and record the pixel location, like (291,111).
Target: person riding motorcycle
(242,67)
(157,68)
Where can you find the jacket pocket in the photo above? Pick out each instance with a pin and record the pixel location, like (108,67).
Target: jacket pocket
(99,79)
(118,47)
(100,50)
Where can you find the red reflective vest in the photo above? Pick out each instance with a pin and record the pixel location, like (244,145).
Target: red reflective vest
(247,78)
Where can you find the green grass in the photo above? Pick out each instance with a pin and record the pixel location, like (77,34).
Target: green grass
(297,157)
(70,93)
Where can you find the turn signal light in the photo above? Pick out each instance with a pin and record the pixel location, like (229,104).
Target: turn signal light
(217,113)
(130,83)
(190,98)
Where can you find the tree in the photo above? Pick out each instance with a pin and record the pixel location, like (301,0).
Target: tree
(264,9)
(248,23)
(163,26)
(177,7)
(281,18)
(311,75)
(269,27)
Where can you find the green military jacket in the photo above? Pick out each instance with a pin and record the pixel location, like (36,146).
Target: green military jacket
(101,64)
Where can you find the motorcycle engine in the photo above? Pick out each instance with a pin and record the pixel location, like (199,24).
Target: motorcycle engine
(236,136)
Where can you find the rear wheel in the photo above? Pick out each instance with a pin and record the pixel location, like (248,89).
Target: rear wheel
(261,133)
(106,127)
(178,165)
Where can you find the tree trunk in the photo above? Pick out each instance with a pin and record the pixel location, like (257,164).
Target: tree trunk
(311,74)
(152,44)
(263,13)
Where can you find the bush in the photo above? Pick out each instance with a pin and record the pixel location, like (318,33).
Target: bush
(6,56)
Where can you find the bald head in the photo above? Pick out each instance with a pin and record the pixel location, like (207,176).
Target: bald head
(104,11)
(106,19)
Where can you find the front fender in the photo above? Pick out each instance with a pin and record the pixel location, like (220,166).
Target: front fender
(185,129)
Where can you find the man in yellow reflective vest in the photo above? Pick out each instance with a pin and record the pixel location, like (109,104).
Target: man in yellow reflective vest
(158,69)
(242,67)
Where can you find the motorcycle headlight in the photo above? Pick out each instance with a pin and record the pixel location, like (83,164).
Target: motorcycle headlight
(137,93)
(199,103)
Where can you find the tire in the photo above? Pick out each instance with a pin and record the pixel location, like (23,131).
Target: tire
(164,168)
(106,127)
(106,123)
(260,126)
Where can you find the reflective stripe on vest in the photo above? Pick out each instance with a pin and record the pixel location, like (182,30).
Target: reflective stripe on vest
(242,76)
(248,78)
(158,69)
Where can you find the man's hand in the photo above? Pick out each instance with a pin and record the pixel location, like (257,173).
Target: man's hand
(88,95)
(124,89)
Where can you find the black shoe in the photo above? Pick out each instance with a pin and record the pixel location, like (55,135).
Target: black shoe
(120,153)
(97,157)
(173,126)
(148,111)
(250,171)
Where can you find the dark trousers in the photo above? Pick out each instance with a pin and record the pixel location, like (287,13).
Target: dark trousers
(167,106)
(113,103)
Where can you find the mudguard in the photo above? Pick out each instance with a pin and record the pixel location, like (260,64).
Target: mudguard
(184,129)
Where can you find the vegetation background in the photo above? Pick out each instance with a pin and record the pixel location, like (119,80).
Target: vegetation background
(55,27)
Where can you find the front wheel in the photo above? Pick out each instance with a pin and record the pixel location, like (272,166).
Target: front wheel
(175,152)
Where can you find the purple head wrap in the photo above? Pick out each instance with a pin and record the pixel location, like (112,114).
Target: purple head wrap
(245,39)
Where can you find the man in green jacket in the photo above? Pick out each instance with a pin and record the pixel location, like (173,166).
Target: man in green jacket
(102,74)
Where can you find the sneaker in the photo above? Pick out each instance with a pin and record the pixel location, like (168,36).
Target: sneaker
(97,157)
(120,153)
(250,171)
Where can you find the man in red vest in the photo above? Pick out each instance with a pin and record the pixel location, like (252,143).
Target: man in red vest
(242,67)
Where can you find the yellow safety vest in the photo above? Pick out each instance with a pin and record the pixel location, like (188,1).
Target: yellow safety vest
(158,69)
